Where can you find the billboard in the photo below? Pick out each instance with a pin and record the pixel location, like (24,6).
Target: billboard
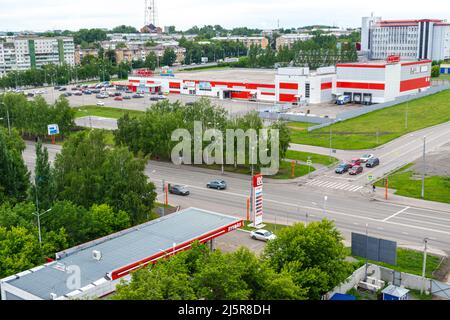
(53,129)
(374,248)
(257,199)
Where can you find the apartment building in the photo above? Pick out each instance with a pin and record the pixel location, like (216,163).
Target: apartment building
(133,53)
(247,41)
(410,39)
(22,53)
(289,39)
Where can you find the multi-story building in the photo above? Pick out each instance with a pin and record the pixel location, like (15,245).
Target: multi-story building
(22,53)
(289,39)
(247,41)
(81,53)
(140,52)
(410,39)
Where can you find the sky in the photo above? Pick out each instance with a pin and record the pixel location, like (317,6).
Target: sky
(42,15)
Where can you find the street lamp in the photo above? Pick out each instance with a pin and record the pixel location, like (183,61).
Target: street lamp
(38,215)
(7,116)
(325,198)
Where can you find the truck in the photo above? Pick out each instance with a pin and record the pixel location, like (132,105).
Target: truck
(341,100)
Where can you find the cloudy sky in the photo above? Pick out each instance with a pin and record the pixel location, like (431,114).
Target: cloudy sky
(41,15)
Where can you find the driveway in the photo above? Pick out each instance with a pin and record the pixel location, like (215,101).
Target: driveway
(232,241)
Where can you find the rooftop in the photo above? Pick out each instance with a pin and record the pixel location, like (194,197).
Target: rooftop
(121,250)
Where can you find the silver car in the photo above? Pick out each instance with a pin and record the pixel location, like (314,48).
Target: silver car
(263,235)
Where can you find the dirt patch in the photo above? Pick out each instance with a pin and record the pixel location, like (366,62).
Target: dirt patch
(443,272)
(437,163)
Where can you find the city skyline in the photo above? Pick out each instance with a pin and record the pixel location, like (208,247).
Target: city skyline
(52,14)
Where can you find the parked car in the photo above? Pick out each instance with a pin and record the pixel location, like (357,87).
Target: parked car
(263,235)
(342,168)
(87,92)
(118,94)
(217,184)
(137,95)
(118,98)
(178,190)
(57,87)
(78,93)
(30,95)
(127,97)
(111,95)
(100,96)
(63,89)
(95,91)
(128,91)
(373,162)
(355,162)
(190,103)
(341,100)
(366,157)
(355,170)
(100,103)
(67,94)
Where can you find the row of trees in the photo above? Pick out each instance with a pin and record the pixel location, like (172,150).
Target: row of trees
(31,118)
(151,133)
(209,31)
(304,262)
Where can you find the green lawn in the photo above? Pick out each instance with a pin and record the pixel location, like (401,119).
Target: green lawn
(105,112)
(315,158)
(444,77)
(272,227)
(389,123)
(299,126)
(408,184)
(409,261)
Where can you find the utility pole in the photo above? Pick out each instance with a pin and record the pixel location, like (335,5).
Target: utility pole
(424,265)
(330,144)
(367,247)
(423,170)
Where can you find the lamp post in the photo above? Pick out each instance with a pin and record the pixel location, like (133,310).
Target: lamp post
(423,170)
(7,117)
(424,265)
(38,215)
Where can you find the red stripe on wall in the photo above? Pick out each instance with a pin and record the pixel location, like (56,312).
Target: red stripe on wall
(267,93)
(326,86)
(416,62)
(284,97)
(150,81)
(134,81)
(376,66)
(241,95)
(414,84)
(175,85)
(292,86)
(360,85)
(173,91)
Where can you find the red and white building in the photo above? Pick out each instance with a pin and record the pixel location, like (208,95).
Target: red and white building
(382,81)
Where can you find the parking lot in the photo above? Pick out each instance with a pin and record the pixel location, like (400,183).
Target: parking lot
(232,241)
(325,109)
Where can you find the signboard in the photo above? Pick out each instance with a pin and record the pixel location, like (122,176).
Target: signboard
(204,86)
(52,129)
(374,249)
(204,59)
(257,199)
(393,59)
(309,162)
(370,177)
(166,72)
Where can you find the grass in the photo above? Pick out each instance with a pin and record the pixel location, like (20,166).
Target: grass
(407,184)
(416,295)
(272,227)
(408,261)
(444,77)
(379,127)
(315,158)
(299,126)
(105,112)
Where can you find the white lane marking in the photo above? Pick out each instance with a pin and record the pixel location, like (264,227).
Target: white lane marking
(396,214)
(425,216)
(343,187)
(354,188)
(423,221)
(327,185)
(356,224)
(334,185)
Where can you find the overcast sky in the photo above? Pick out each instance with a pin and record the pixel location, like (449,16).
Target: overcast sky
(41,15)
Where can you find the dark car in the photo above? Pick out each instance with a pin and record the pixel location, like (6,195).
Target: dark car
(117,94)
(355,170)
(95,90)
(128,91)
(63,89)
(217,184)
(178,190)
(57,87)
(127,97)
(87,92)
(342,168)
(67,94)
(190,103)
(372,162)
(78,93)
(137,95)
(30,94)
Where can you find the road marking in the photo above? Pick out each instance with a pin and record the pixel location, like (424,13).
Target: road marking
(429,216)
(396,214)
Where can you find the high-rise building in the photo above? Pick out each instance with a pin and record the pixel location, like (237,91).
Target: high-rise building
(22,53)
(410,39)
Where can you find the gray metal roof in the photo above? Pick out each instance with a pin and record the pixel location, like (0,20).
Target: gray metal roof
(395,291)
(120,250)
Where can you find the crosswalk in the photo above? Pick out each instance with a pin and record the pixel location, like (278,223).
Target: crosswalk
(334,185)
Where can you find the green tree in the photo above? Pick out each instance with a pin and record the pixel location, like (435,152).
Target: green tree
(14,175)
(151,61)
(435,71)
(124,29)
(104,221)
(42,191)
(169,57)
(314,255)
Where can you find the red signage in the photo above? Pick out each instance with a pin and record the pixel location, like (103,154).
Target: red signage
(257,180)
(143,72)
(393,59)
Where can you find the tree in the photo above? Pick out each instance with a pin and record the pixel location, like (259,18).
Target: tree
(124,29)
(169,57)
(104,221)
(42,191)
(314,255)
(435,71)
(151,61)
(14,175)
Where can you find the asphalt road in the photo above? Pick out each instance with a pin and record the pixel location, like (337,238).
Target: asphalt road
(288,203)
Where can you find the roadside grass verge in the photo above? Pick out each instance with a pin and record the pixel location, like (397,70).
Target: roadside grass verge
(315,158)
(379,127)
(408,184)
(272,227)
(105,112)
(409,261)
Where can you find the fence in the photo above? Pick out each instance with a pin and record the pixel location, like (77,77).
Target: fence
(367,109)
(294,117)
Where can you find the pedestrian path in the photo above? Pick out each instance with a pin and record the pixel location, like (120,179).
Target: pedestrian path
(334,185)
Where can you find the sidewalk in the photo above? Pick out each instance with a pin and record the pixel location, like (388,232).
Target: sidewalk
(344,155)
(411,202)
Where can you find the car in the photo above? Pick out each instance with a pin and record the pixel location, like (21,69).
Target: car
(100,96)
(118,99)
(111,95)
(366,157)
(78,93)
(190,103)
(342,168)
(355,170)
(373,162)
(30,95)
(127,97)
(57,87)
(154,98)
(95,91)
(137,95)
(217,184)
(63,89)
(100,103)
(355,162)
(67,94)
(118,94)
(128,91)
(341,100)
(87,92)
(74,88)
(263,235)
(178,190)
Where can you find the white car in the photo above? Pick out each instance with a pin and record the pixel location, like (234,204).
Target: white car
(263,235)
(100,103)
(366,157)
